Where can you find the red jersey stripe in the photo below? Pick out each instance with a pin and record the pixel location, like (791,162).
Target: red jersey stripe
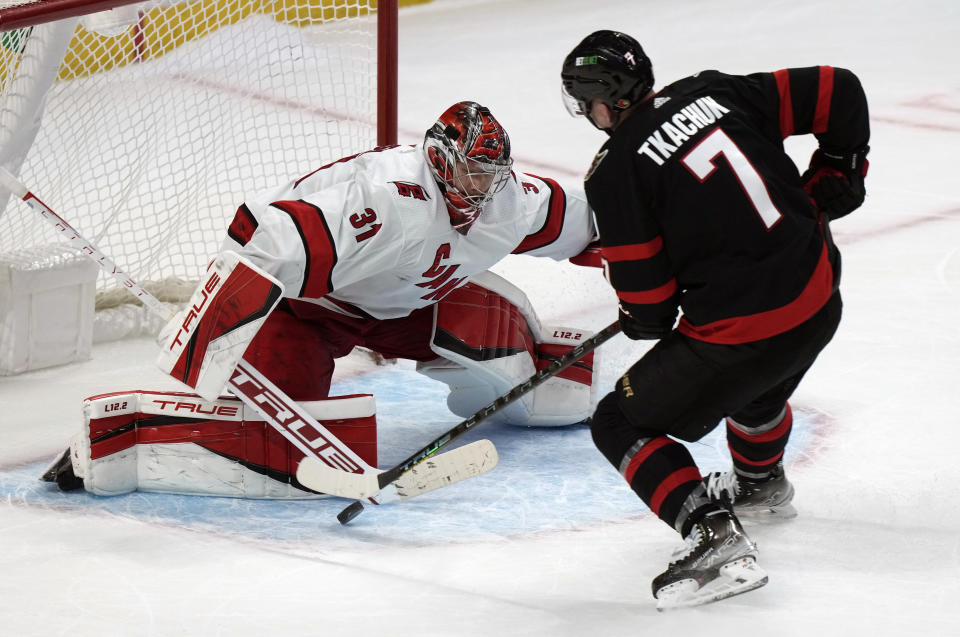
(243,226)
(318,245)
(786,105)
(650,297)
(632,252)
(755,327)
(343,160)
(824,92)
(553,226)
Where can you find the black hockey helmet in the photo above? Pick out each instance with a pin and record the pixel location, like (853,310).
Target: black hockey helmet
(608,66)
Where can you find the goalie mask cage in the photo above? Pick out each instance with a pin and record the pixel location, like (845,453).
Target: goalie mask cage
(146,124)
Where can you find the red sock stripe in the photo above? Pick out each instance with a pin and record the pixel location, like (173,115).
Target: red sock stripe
(643,454)
(755,463)
(768,436)
(674,480)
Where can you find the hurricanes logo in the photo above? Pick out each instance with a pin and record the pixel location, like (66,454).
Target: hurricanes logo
(407,189)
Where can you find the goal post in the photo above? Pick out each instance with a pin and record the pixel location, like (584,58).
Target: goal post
(157,118)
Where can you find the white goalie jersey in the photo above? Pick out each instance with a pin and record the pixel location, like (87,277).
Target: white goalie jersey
(371,232)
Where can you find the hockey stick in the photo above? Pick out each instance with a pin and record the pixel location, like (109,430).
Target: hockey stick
(326,479)
(254,389)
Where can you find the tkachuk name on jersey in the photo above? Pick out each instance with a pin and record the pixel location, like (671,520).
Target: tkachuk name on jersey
(684,123)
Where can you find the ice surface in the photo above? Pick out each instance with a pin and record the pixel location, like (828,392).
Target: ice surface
(552,542)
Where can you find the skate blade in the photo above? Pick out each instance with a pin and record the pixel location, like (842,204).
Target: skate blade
(736,577)
(766,513)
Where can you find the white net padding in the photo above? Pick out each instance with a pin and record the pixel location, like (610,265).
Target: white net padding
(164,116)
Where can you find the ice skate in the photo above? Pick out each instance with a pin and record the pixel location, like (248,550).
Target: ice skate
(716,561)
(767,498)
(61,472)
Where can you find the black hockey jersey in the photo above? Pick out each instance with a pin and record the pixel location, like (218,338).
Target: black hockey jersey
(699,208)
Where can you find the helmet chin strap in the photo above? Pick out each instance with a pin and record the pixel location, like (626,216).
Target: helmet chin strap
(616,116)
(605,112)
(615,120)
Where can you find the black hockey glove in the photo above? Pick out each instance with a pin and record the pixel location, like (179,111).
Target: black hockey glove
(835,182)
(637,331)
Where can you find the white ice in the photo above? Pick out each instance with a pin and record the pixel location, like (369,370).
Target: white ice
(552,542)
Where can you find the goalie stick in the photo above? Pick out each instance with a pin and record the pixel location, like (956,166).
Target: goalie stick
(326,479)
(259,393)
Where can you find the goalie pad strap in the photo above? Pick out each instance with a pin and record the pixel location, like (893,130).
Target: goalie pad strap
(547,353)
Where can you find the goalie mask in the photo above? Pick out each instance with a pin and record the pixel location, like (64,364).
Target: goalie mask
(469,154)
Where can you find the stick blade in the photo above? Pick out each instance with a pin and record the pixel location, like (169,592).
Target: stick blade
(433,473)
(468,461)
(319,476)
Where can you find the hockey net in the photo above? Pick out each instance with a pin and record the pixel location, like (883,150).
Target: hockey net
(148,124)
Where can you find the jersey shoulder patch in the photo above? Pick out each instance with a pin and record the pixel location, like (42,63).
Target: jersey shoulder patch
(595,163)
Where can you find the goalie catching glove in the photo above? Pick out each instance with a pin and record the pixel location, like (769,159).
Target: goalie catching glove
(834,181)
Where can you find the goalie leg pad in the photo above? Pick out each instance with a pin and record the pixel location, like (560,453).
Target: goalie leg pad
(296,355)
(203,343)
(181,443)
(490,340)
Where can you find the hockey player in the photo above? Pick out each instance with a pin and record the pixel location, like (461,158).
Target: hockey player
(387,249)
(700,210)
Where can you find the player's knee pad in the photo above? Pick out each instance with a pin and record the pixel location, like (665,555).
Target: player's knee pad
(490,340)
(181,443)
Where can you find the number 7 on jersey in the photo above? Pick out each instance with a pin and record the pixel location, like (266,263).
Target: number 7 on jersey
(700,161)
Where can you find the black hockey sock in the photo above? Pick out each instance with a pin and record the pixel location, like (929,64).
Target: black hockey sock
(757,449)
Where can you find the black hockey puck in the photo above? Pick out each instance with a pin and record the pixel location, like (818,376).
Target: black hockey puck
(350,512)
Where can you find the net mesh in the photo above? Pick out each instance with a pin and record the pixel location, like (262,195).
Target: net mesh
(165,116)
